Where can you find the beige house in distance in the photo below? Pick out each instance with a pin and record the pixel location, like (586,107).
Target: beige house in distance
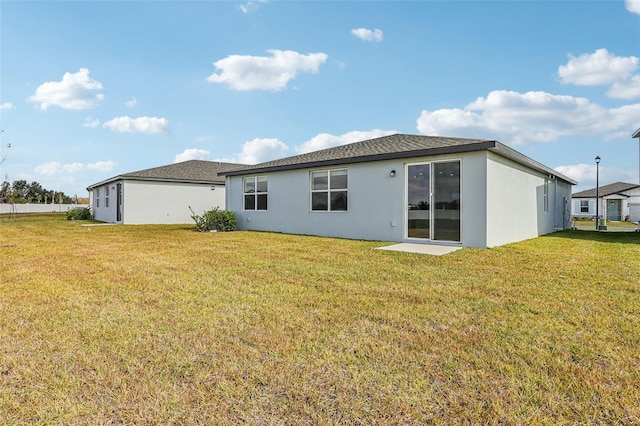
(160,195)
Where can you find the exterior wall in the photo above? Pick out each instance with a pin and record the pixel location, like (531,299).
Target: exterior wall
(515,201)
(501,202)
(631,207)
(97,199)
(377,205)
(147,202)
(474,205)
(561,204)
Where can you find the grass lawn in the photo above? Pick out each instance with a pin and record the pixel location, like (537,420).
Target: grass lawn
(610,224)
(161,324)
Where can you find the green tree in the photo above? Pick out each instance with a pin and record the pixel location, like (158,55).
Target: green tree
(5,189)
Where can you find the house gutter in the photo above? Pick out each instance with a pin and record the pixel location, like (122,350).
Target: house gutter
(148,179)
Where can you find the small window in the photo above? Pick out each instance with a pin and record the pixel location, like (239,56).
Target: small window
(97,197)
(106,197)
(329,190)
(584,206)
(255,193)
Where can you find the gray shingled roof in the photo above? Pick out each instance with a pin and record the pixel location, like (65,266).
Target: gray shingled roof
(192,171)
(393,147)
(605,190)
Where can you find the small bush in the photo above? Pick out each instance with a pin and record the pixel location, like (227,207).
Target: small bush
(79,213)
(215,220)
(226,220)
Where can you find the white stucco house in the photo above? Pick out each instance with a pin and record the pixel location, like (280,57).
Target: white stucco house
(617,201)
(160,195)
(404,188)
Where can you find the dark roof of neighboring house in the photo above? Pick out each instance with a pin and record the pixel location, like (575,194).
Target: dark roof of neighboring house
(394,147)
(605,190)
(191,171)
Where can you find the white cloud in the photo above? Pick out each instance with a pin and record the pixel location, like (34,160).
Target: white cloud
(366,34)
(147,125)
(604,68)
(600,67)
(262,72)
(633,6)
(251,6)
(6,106)
(53,168)
(261,150)
(49,169)
(103,166)
(91,123)
(628,89)
(326,140)
(529,117)
(585,174)
(74,91)
(131,102)
(193,154)
(579,172)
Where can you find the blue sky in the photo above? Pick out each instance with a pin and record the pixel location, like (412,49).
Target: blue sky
(93,89)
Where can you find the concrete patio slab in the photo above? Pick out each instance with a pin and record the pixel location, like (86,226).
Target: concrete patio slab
(431,249)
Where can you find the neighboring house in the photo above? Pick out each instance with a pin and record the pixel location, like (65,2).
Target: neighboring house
(618,201)
(466,192)
(160,194)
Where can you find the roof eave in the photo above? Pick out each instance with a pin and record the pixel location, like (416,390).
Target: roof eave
(367,158)
(151,179)
(104,182)
(636,134)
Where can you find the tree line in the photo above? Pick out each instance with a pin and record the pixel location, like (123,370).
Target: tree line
(21,192)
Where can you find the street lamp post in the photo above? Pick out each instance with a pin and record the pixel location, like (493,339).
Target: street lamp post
(597,191)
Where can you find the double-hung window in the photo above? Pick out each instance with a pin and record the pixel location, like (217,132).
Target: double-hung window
(255,193)
(584,206)
(329,190)
(106,196)
(97,197)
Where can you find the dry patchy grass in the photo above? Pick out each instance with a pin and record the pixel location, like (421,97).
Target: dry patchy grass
(160,324)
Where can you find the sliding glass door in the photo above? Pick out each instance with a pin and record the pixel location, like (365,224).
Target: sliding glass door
(446,201)
(433,198)
(418,197)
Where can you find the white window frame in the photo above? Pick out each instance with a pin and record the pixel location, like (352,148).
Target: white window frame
(255,193)
(431,199)
(585,206)
(106,196)
(328,190)
(97,197)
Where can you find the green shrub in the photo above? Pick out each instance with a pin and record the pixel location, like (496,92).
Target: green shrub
(79,213)
(226,220)
(215,220)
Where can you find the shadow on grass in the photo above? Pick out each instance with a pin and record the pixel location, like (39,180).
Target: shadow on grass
(600,236)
